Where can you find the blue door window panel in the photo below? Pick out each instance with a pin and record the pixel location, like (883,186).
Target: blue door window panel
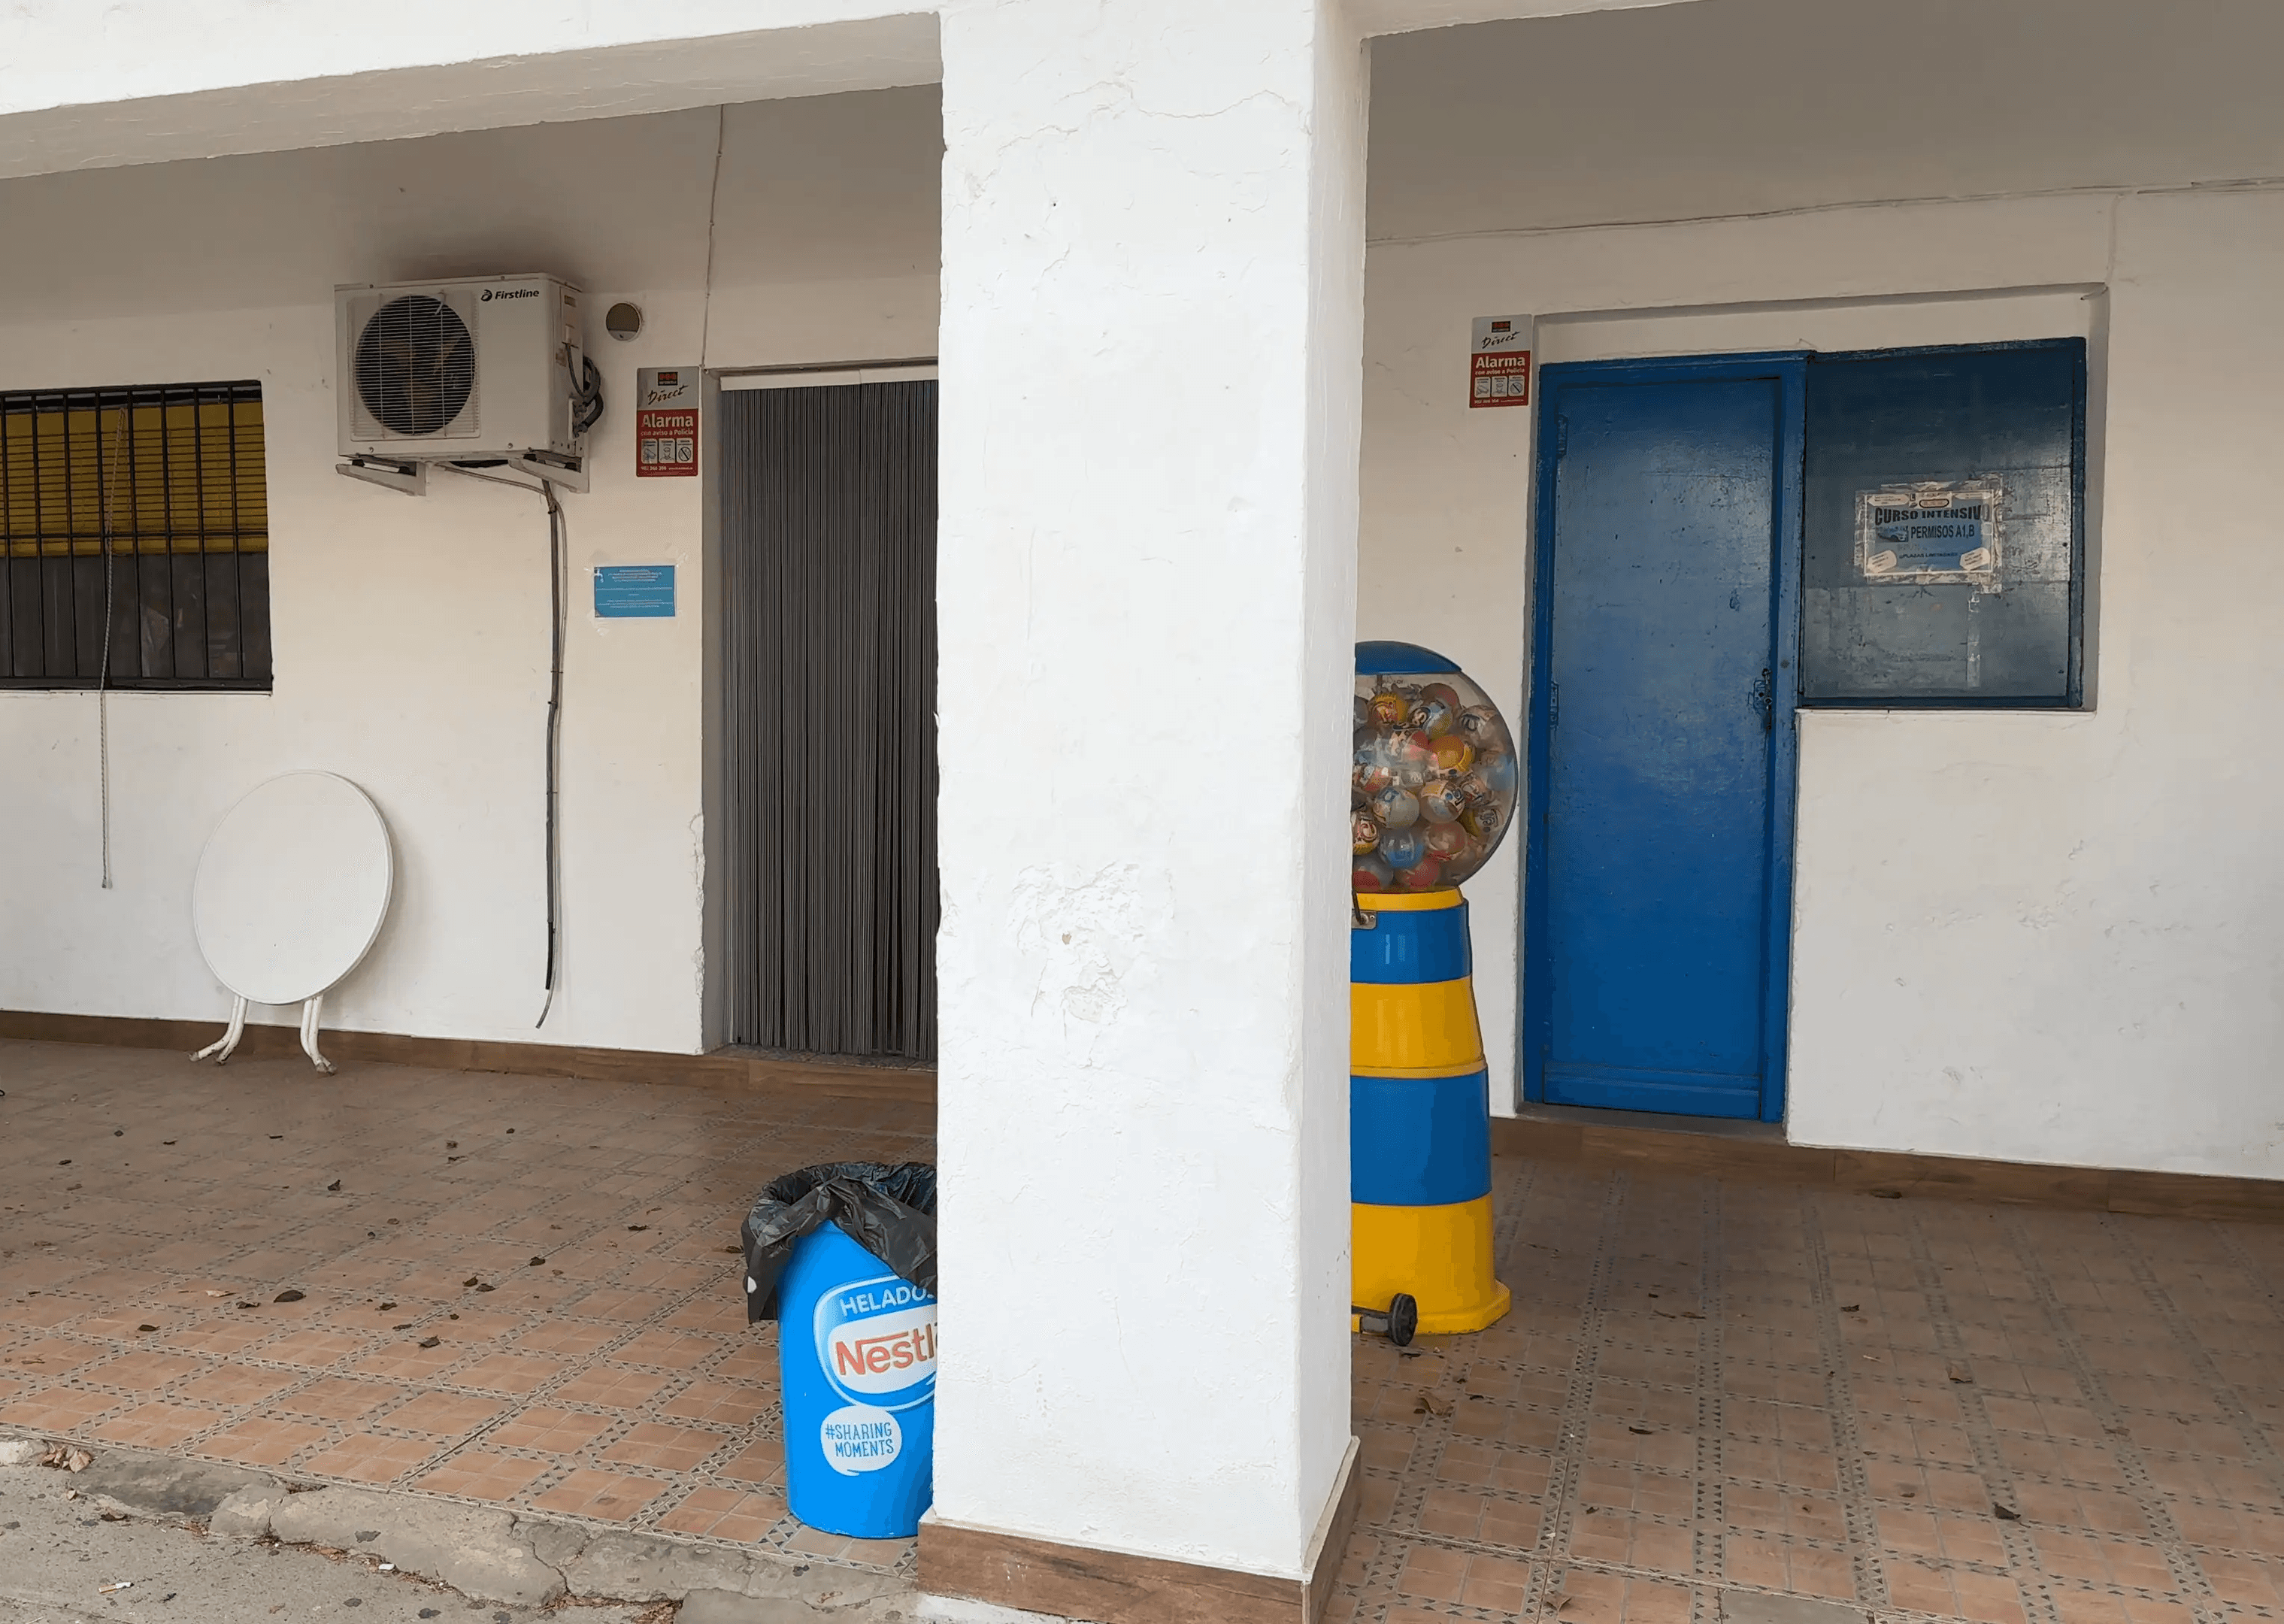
(1658,896)
(1420,1141)
(1403,947)
(2008,414)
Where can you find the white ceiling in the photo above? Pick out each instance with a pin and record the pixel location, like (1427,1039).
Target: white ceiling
(812,188)
(1739,106)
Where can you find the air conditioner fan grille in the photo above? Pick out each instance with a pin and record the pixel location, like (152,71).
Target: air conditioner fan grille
(416,365)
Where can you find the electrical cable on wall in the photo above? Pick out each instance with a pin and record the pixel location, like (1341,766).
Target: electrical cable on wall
(103,675)
(586,395)
(555,567)
(713,205)
(558,540)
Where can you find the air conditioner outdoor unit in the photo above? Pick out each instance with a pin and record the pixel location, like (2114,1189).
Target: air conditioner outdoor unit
(477,369)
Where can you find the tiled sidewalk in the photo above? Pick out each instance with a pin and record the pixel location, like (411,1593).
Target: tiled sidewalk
(1917,1408)
(515,1290)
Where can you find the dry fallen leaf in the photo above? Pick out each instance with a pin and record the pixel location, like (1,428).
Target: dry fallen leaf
(1429,1404)
(1958,1374)
(68,1459)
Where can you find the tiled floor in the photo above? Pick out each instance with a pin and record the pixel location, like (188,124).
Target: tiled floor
(1914,1407)
(1919,1409)
(515,1290)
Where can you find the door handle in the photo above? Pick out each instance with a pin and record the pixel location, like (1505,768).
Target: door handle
(1764,698)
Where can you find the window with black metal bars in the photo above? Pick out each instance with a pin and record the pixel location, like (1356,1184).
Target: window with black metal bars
(152,500)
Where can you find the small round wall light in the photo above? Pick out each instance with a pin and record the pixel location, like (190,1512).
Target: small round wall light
(622,321)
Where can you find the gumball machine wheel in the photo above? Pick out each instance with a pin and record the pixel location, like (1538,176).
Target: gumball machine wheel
(1432,793)
(1399,1322)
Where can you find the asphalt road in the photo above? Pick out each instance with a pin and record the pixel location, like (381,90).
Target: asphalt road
(56,1555)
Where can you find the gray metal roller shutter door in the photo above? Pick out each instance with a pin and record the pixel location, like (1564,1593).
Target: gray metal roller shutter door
(828,554)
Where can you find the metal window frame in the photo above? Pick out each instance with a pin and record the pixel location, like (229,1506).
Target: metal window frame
(57,542)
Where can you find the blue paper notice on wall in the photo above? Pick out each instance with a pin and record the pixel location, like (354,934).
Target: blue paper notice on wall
(634,591)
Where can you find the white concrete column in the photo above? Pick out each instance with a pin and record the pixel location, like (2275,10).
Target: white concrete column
(1153,270)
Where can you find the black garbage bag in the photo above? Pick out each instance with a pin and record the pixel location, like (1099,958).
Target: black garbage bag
(889,1211)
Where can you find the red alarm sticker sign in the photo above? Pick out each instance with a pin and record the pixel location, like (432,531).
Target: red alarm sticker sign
(666,422)
(1499,368)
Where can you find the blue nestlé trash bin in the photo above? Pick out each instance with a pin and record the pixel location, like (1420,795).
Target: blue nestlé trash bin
(844,1257)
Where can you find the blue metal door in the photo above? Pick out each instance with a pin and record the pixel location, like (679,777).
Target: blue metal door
(1658,904)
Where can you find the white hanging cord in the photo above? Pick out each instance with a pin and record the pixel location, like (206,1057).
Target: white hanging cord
(102,677)
(558,546)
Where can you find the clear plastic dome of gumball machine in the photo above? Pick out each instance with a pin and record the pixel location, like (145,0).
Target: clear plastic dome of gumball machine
(1433,784)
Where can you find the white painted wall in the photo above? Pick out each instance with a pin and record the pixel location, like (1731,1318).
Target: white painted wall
(1153,270)
(2090,978)
(412,637)
(2097,983)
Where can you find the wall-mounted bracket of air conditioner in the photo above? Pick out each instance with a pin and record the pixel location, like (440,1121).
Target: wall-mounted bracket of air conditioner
(565,473)
(410,477)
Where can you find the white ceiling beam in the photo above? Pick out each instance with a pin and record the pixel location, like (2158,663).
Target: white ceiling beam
(1410,16)
(312,98)
(92,86)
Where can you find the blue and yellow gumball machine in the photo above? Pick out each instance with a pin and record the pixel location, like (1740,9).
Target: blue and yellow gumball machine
(1430,798)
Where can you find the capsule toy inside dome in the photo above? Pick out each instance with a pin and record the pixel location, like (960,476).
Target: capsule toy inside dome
(1431,751)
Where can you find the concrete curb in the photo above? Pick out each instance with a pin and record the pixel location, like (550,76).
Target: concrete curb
(487,1554)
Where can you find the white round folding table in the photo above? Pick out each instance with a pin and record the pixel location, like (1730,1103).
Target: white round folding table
(291,893)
